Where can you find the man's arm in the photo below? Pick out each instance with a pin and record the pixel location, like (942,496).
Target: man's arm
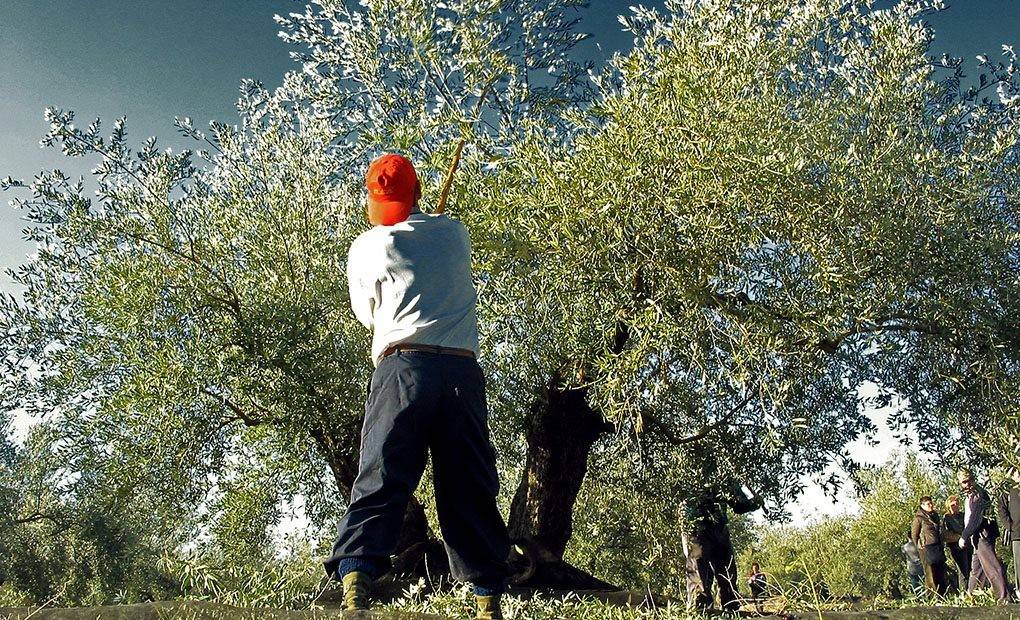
(742,505)
(740,502)
(1005,518)
(363,298)
(1002,509)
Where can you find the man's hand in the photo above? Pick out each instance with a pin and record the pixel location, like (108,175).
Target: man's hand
(963,543)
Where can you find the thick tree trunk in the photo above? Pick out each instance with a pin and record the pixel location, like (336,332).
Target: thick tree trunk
(561,431)
(562,428)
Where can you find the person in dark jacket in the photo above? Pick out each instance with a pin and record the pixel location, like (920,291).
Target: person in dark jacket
(708,547)
(758,583)
(952,528)
(926,534)
(1008,510)
(979,534)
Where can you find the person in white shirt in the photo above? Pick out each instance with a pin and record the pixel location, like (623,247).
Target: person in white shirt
(410,283)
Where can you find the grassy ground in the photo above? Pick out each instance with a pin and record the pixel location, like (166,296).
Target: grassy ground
(200,610)
(459,604)
(413,601)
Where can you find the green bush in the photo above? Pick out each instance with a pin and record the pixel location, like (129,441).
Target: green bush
(857,555)
(72,539)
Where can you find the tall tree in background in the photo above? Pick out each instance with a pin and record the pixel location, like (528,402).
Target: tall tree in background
(80,547)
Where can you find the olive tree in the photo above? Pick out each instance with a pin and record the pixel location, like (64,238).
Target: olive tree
(767,206)
(187,327)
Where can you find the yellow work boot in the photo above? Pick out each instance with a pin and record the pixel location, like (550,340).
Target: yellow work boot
(488,608)
(356,590)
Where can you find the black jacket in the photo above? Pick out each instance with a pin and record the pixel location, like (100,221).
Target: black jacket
(979,525)
(952,527)
(1007,508)
(709,509)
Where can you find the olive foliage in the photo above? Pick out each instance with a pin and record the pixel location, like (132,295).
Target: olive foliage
(775,204)
(739,222)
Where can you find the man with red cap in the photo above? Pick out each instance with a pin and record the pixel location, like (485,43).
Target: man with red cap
(410,283)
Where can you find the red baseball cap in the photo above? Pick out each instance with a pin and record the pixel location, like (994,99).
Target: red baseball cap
(393,189)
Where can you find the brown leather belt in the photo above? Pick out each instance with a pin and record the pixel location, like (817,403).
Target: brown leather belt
(427,348)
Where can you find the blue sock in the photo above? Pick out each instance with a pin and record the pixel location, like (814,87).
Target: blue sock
(488,590)
(361,565)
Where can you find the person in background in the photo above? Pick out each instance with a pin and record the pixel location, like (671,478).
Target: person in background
(926,534)
(757,583)
(979,534)
(915,572)
(952,528)
(707,544)
(1007,506)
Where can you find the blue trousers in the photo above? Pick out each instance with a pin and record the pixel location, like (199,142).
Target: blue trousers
(423,402)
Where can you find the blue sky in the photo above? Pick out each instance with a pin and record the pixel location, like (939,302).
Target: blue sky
(152,60)
(148,59)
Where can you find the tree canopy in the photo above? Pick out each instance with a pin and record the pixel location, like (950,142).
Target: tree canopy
(708,247)
(775,204)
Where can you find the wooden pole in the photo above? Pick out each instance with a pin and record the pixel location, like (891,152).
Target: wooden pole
(466,127)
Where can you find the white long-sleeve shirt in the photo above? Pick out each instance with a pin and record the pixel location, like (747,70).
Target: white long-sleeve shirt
(411,283)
